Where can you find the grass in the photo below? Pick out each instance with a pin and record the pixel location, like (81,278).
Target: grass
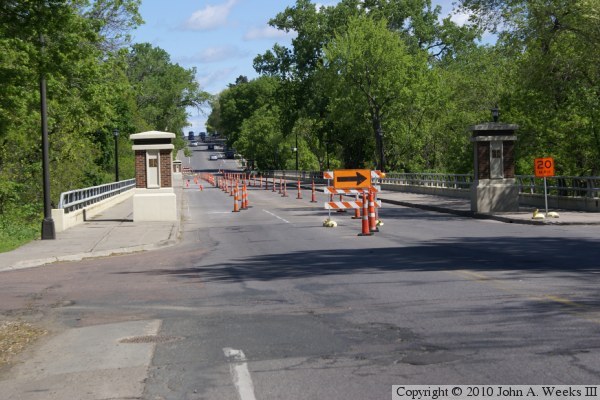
(15,336)
(14,234)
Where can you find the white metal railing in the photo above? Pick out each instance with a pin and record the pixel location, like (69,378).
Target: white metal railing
(448,181)
(564,186)
(560,186)
(80,198)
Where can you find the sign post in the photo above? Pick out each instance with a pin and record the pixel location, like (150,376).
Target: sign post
(544,167)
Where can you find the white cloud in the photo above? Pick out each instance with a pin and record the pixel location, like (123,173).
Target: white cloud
(267,32)
(212,80)
(216,54)
(209,17)
(460,18)
(213,55)
(318,6)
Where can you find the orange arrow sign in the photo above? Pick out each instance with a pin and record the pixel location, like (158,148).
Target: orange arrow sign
(351,178)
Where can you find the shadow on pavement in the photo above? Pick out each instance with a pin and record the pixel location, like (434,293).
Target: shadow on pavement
(577,259)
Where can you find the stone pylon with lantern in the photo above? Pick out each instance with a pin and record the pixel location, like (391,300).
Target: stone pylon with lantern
(494,188)
(154,198)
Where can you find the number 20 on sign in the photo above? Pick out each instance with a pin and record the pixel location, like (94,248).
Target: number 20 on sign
(544,167)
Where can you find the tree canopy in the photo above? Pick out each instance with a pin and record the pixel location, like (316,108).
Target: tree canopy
(389,83)
(96,82)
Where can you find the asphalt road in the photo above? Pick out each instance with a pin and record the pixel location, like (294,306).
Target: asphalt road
(268,304)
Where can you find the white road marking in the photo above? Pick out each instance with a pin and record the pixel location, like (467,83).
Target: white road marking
(240,373)
(276,216)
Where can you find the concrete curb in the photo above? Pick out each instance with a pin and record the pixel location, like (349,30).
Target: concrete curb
(174,238)
(90,255)
(496,217)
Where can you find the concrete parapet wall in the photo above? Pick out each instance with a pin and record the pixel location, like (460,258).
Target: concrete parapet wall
(437,191)
(64,221)
(587,204)
(156,206)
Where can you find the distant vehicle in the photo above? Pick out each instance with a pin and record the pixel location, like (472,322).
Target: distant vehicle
(211,147)
(191,135)
(194,144)
(213,157)
(230,154)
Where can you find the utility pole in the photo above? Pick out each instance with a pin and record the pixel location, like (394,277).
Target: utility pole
(116,135)
(48,230)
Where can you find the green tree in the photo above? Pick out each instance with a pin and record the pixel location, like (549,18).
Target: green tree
(56,39)
(163,90)
(239,102)
(555,47)
(374,67)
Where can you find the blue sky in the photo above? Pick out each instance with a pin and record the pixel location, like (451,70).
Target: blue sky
(220,38)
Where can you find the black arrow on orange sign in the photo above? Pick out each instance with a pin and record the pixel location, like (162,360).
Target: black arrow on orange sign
(359,178)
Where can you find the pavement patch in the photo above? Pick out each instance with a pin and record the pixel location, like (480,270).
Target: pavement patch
(86,363)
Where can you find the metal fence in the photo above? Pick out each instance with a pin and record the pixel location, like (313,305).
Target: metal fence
(564,186)
(81,198)
(561,186)
(448,181)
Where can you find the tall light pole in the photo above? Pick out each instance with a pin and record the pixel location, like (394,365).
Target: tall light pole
(48,231)
(116,135)
(296,152)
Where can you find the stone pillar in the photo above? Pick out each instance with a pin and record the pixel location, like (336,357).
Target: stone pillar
(494,188)
(154,198)
(177,166)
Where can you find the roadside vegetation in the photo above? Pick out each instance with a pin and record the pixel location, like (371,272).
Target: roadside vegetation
(383,84)
(97,81)
(15,336)
(392,85)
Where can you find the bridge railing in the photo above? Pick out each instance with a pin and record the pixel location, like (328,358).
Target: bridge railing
(81,198)
(564,186)
(447,181)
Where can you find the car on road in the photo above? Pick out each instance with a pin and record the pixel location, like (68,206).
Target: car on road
(213,157)
(230,154)
(194,144)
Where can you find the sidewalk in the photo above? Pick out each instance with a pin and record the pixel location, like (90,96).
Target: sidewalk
(114,232)
(109,233)
(462,207)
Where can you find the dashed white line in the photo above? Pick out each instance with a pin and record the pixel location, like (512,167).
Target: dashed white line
(240,373)
(276,216)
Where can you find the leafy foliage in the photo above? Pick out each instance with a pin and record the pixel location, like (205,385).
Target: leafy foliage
(389,83)
(94,85)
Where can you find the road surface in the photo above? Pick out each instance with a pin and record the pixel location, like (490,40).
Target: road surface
(268,304)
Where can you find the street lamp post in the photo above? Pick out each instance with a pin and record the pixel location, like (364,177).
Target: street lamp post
(116,135)
(495,113)
(48,230)
(296,152)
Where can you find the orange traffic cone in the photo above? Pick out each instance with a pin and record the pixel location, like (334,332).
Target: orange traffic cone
(299,197)
(235,202)
(372,218)
(284,194)
(356,210)
(314,195)
(365,219)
